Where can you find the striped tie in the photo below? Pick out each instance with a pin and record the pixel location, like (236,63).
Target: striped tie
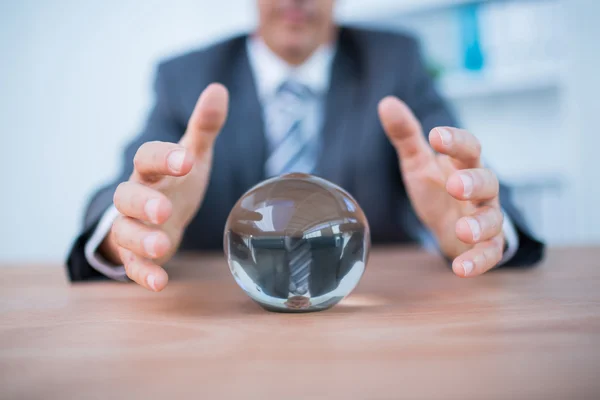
(300,259)
(291,148)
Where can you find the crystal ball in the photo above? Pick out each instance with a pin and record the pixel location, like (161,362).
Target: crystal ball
(297,243)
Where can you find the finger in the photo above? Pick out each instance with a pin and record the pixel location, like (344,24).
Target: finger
(473,184)
(459,144)
(481,258)
(207,119)
(483,225)
(135,200)
(154,160)
(143,271)
(139,238)
(405,133)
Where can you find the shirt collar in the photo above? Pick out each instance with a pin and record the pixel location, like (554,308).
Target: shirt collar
(270,71)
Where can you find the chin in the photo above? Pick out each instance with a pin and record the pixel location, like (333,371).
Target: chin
(294,44)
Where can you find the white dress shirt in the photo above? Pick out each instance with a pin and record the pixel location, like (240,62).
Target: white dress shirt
(270,72)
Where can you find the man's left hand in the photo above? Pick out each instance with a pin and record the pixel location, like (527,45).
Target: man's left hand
(453,195)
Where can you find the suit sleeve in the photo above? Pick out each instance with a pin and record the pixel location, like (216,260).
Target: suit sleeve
(422,97)
(162,124)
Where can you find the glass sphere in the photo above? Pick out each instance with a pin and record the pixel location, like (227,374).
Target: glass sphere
(297,243)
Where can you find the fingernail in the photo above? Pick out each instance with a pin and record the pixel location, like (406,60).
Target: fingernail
(467,182)
(475,228)
(151,280)
(445,136)
(151,209)
(176,159)
(150,245)
(467,267)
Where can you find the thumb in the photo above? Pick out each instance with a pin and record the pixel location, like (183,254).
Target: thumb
(207,119)
(404,132)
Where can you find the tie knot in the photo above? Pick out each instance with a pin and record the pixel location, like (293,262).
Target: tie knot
(298,90)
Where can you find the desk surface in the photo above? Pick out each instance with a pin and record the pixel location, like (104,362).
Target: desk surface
(410,330)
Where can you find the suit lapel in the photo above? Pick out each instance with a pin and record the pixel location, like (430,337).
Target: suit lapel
(246,126)
(340,128)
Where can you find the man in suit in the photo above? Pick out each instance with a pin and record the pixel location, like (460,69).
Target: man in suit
(299,95)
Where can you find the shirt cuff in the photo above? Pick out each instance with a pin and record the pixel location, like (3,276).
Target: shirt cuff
(511,239)
(116,272)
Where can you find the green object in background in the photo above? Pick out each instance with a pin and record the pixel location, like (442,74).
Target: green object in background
(435,70)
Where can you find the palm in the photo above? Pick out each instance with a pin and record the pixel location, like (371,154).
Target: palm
(426,188)
(186,193)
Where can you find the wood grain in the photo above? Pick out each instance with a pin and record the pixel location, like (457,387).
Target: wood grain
(411,330)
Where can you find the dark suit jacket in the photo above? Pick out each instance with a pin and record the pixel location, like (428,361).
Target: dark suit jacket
(356,154)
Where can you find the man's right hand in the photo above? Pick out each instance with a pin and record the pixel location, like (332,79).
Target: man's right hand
(164,193)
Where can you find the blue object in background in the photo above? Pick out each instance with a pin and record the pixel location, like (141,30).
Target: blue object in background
(470,35)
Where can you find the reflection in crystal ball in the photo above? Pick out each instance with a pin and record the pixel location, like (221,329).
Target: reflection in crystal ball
(297,243)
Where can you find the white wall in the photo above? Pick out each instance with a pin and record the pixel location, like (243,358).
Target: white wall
(75,79)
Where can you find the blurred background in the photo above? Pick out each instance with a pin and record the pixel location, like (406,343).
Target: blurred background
(75,85)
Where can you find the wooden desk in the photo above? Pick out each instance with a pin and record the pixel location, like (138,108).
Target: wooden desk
(411,330)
